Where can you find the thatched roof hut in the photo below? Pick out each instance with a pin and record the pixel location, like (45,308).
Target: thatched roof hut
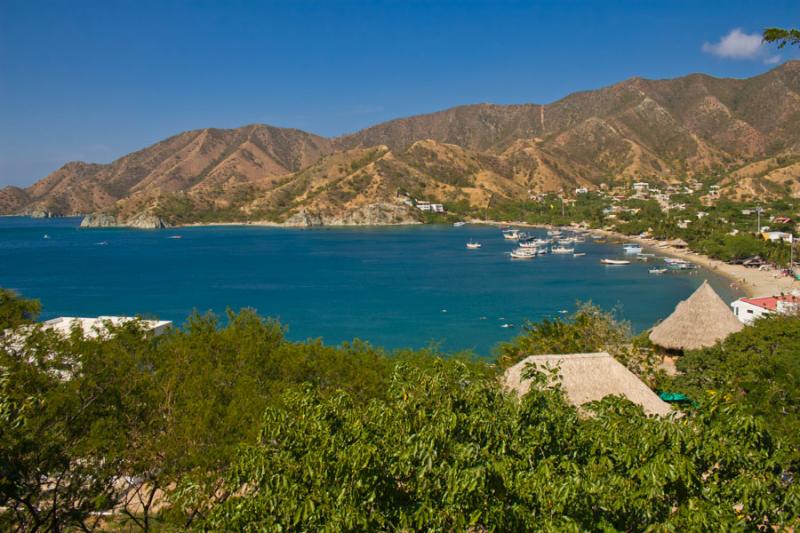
(697,322)
(678,243)
(587,377)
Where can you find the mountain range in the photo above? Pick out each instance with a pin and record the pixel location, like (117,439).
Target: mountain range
(743,132)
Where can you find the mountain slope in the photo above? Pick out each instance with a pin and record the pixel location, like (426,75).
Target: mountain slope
(748,129)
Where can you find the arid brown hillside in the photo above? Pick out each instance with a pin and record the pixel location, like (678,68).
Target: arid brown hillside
(748,129)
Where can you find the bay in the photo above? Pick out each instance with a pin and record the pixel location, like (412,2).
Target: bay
(393,286)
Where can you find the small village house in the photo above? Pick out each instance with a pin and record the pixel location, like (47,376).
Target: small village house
(747,310)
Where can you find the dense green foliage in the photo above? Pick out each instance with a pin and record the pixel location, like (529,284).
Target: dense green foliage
(230,427)
(447,450)
(759,366)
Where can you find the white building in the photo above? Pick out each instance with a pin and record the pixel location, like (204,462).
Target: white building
(777,236)
(581,190)
(98,327)
(749,309)
(641,186)
(427,206)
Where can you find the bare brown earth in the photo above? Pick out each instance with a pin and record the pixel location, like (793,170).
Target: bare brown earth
(662,130)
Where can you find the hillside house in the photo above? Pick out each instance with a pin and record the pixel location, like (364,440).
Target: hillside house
(748,310)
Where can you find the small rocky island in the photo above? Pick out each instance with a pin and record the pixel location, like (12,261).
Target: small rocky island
(138,221)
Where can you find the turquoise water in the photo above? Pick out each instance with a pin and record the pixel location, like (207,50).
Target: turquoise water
(390,286)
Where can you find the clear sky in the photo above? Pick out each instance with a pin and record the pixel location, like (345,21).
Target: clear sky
(92,81)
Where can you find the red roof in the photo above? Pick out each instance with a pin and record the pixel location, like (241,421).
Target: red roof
(771,302)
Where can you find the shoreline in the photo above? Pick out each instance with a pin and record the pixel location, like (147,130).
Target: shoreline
(752,282)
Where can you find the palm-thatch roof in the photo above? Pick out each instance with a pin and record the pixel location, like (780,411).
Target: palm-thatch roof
(587,377)
(697,322)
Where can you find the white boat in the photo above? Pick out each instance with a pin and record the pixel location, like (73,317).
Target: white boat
(175,237)
(542,242)
(46,236)
(523,253)
(566,240)
(507,326)
(673,261)
(473,245)
(657,270)
(615,262)
(511,234)
(458,224)
(579,254)
(554,232)
(632,248)
(528,244)
(562,250)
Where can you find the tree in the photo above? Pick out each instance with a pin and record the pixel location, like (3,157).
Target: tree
(16,311)
(782,36)
(757,366)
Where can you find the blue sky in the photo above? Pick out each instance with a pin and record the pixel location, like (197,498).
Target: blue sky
(83,80)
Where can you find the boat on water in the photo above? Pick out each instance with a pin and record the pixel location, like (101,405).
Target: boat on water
(562,250)
(554,232)
(632,248)
(459,224)
(46,236)
(511,234)
(175,237)
(566,240)
(673,261)
(657,270)
(473,245)
(542,242)
(528,244)
(615,261)
(523,253)
(579,254)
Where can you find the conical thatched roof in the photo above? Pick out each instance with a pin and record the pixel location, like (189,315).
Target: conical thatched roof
(587,377)
(697,322)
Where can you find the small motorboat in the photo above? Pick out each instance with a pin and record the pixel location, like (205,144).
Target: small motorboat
(632,248)
(615,262)
(511,234)
(473,245)
(562,250)
(458,224)
(579,254)
(46,236)
(657,270)
(175,237)
(507,326)
(523,253)
(102,243)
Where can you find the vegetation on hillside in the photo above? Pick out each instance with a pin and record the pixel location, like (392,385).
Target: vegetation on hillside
(229,426)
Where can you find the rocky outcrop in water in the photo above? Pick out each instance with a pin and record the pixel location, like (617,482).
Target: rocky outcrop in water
(42,213)
(146,221)
(377,214)
(138,221)
(99,220)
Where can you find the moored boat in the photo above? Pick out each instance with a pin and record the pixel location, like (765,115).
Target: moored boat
(632,248)
(562,250)
(657,270)
(458,224)
(615,261)
(523,253)
(473,245)
(579,254)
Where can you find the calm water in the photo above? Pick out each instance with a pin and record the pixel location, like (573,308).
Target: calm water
(395,287)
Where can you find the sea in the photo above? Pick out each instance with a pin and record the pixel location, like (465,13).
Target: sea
(396,287)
